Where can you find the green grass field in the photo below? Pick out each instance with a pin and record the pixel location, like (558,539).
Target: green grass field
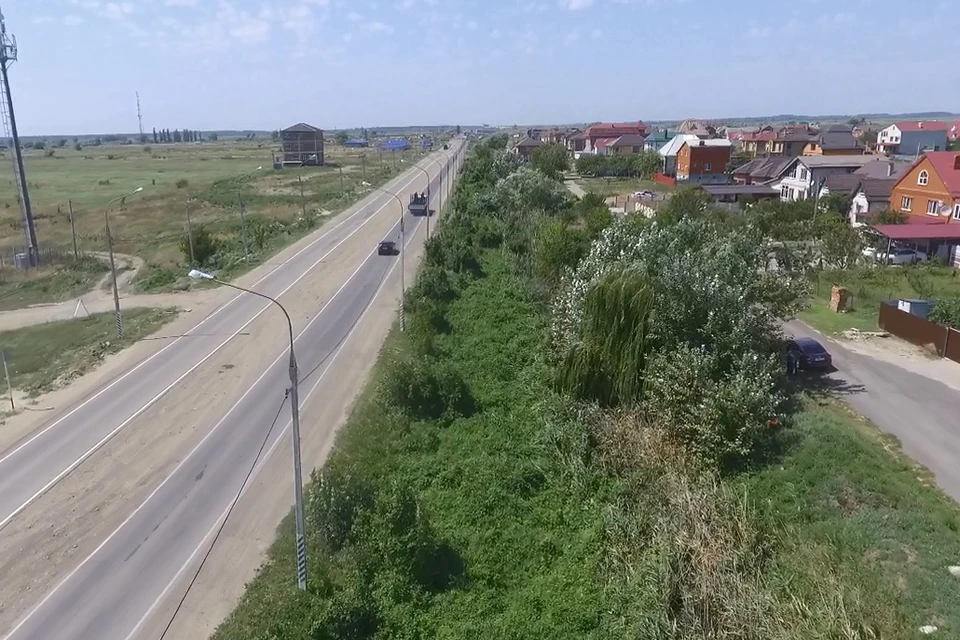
(152,223)
(20,289)
(46,356)
(619,186)
(870,286)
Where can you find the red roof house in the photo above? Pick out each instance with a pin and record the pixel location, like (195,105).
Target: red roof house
(611,131)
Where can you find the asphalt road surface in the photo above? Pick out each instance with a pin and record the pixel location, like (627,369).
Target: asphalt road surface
(923,413)
(108,593)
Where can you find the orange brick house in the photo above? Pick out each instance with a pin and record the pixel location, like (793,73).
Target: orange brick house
(931,188)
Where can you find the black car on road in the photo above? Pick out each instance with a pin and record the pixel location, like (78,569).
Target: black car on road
(809,354)
(387,248)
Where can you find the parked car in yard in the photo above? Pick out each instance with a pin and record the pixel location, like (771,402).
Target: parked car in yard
(809,354)
(898,255)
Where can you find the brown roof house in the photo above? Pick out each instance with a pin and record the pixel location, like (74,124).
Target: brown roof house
(526,146)
(835,140)
(302,144)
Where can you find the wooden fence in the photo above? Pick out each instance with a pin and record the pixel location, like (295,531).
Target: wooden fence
(916,330)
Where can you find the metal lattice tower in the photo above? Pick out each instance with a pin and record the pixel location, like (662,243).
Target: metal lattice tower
(8,55)
(140,119)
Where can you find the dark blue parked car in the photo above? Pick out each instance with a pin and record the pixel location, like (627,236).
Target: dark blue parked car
(810,355)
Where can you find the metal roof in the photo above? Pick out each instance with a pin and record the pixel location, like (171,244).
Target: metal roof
(812,162)
(738,189)
(672,147)
(932,231)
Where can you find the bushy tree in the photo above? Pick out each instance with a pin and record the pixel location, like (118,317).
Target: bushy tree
(205,246)
(557,248)
(889,216)
(550,159)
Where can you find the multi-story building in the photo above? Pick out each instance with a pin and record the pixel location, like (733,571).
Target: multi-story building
(302,144)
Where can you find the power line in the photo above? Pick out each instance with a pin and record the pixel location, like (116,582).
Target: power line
(223,524)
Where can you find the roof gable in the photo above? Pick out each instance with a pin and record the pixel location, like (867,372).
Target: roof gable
(302,127)
(947,166)
(529,142)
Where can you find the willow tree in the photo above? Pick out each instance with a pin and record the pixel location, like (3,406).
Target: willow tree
(606,362)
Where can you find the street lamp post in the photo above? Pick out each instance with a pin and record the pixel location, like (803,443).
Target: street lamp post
(113,264)
(295,422)
(403,287)
(243,220)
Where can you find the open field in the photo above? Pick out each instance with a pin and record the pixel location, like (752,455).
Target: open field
(870,286)
(56,283)
(46,356)
(175,177)
(619,186)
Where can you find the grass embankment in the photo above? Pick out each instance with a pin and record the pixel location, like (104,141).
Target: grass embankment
(539,541)
(870,286)
(202,177)
(20,289)
(46,356)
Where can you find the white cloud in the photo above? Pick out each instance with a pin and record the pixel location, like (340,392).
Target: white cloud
(242,26)
(495,34)
(596,33)
(378,27)
(572,37)
(42,20)
(405,4)
(116,10)
(472,25)
(347,37)
(353,16)
(181,3)
(574,5)
(71,20)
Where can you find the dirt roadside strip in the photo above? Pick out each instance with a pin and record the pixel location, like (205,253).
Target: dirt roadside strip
(66,524)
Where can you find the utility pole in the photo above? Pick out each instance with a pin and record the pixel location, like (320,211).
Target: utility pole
(303,203)
(8,54)
(73,231)
(113,273)
(186,210)
(341,182)
(243,228)
(363,163)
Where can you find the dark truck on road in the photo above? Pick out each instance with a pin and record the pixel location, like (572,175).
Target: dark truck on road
(418,204)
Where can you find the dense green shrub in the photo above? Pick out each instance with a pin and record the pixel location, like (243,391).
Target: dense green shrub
(427,389)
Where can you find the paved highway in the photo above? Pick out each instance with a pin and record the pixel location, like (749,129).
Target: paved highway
(112,589)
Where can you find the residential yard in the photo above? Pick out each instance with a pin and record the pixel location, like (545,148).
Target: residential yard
(175,177)
(47,356)
(870,286)
(620,186)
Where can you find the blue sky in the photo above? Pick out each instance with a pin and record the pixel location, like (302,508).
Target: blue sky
(221,64)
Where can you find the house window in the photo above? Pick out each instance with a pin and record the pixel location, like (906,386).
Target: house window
(923,178)
(905,203)
(933,207)
(956,211)
(784,192)
(706,166)
(803,173)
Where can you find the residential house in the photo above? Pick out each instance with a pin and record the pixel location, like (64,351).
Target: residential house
(558,135)
(611,131)
(931,187)
(526,146)
(871,196)
(913,138)
(792,140)
(695,127)
(704,161)
(801,178)
(953,133)
(302,144)
(627,145)
(759,142)
(761,171)
(668,152)
(835,140)
(576,143)
(657,139)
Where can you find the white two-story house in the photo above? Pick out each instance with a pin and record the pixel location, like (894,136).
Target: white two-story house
(807,172)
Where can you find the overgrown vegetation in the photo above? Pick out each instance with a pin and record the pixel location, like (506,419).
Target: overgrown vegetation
(44,357)
(20,289)
(584,433)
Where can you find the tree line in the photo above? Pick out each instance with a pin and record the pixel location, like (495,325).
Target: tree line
(165,136)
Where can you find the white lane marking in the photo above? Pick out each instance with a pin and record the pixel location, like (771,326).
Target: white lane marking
(206,437)
(197,326)
(270,451)
(209,434)
(76,463)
